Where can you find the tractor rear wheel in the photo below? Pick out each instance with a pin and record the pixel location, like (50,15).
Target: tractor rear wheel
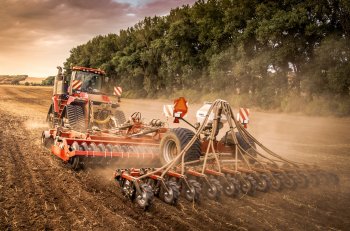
(75,117)
(175,141)
(51,117)
(119,117)
(248,147)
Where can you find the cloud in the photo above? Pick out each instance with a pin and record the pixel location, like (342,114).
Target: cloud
(48,29)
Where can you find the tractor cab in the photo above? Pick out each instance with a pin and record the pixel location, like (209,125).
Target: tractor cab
(87,80)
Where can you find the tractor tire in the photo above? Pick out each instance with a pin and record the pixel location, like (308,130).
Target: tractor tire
(175,141)
(51,117)
(76,117)
(119,117)
(248,147)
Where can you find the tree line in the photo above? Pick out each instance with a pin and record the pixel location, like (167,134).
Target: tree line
(271,54)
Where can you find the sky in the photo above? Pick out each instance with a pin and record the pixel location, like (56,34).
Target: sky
(37,35)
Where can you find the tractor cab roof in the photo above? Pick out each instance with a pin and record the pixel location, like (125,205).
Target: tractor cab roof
(88,69)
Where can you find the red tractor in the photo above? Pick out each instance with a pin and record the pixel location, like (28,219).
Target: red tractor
(80,102)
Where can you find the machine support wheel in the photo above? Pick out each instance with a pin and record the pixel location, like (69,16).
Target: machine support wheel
(174,141)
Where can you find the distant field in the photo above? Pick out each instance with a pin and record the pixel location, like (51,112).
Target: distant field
(33,80)
(10,79)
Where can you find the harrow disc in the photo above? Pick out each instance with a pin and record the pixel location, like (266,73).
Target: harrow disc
(117,148)
(75,160)
(101,147)
(92,147)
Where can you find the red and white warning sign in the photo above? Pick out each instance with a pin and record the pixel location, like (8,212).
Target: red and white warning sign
(243,115)
(76,84)
(168,110)
(117,91)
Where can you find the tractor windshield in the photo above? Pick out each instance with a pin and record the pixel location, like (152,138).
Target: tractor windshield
(90,82)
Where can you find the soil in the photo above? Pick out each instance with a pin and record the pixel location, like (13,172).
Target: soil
(39,192)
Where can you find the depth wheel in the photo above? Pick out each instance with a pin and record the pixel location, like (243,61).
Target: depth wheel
(263,183)
(236,183)
(144,200)
(246,186)
(229,189)
(172,195)
(253,183)
(288,183)
(276,183)
(313,179)
(302,180)
(212,192)
(196,186)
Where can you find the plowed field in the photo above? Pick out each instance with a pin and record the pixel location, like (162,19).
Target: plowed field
(39,192)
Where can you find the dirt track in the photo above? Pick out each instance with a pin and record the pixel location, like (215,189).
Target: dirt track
(37,191)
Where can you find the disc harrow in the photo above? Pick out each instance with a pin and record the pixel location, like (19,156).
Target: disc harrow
(131,140)
(215,174)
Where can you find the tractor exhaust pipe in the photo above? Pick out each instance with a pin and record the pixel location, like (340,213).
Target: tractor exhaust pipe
(57,78)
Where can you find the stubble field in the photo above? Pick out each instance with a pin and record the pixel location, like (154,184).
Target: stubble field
(37,191)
